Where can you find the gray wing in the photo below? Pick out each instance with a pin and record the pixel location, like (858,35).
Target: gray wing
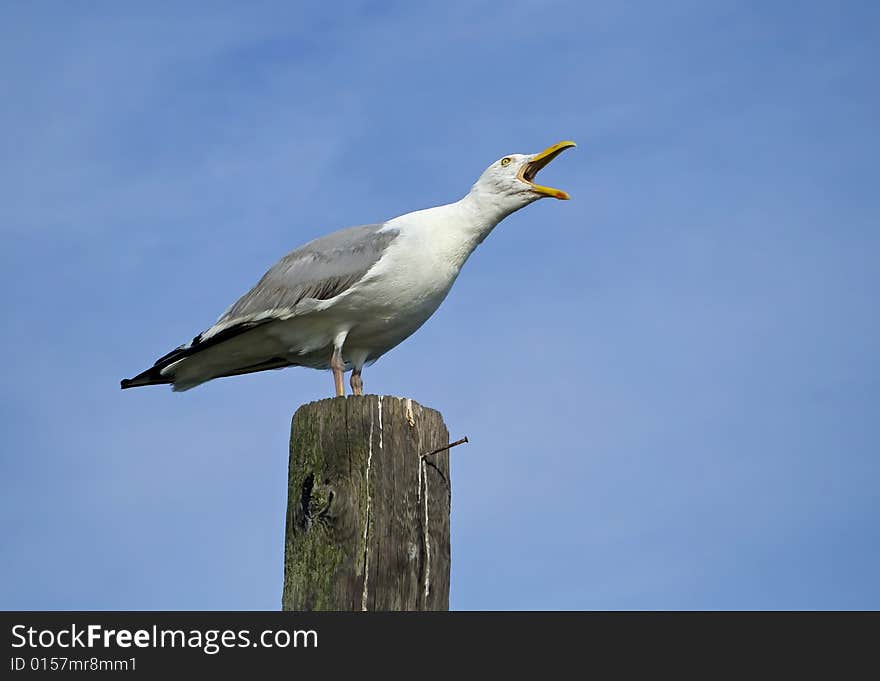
(321,269)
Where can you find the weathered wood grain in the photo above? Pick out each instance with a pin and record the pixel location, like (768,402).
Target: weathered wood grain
(367,516)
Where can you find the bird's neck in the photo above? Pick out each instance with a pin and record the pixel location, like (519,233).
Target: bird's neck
(479,213)
(454,230)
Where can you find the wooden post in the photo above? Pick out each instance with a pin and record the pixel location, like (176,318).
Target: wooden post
(367,514)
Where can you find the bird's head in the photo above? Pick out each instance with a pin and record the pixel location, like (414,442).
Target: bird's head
(509,181)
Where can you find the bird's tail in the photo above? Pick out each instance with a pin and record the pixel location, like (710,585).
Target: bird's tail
(184,380)
(176,369)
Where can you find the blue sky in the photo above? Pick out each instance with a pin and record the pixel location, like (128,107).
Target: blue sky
(670,383)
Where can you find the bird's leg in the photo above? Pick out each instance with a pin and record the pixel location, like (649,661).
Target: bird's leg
(357,383)
(338,368)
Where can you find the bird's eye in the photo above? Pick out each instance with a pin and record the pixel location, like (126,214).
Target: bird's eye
(505,161)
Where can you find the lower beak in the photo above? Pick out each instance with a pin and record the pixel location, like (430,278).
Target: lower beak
(538,161)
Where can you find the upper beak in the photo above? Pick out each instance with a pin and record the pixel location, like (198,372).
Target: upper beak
(538,161)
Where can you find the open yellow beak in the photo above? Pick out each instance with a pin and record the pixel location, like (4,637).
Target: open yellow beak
(538,161)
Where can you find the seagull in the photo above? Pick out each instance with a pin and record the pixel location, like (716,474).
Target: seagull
(343,300)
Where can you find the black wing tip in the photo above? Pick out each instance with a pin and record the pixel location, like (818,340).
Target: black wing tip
(135,382)
(149,377)
(153,375)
